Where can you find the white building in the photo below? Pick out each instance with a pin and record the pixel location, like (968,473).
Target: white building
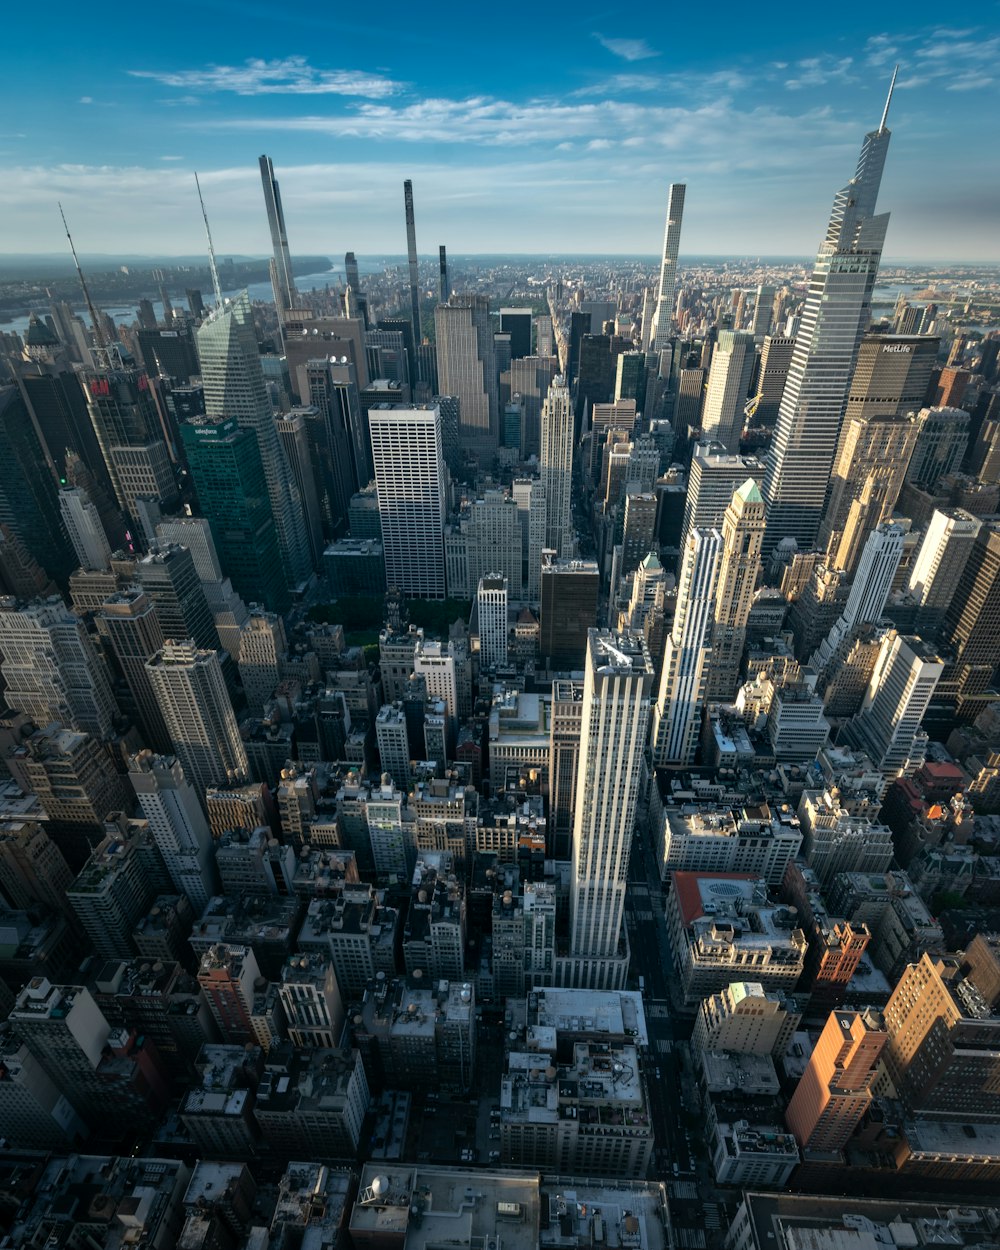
(715,475)
(664,316)
(943,553)
(198,715)
(262,644)
(677,719)
(837,840)
(728,383)
(410,481)
(617,695)
(557,467)
(83,524)
(753,839)
(491,601)
(393,743)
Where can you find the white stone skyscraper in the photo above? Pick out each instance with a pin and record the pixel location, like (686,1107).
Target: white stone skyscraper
(83,524)
(177,823)
(663,319)
(728,382)
(677,717)
(836,314)
(234,385)
(199,717)
(873,579)
(617,694)
(467,369)
(410,480)
(557,467)
(943,555)
(742,539)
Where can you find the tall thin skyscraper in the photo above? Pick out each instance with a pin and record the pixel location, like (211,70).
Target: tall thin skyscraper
(285,294)
(557,467)
(835,316)
(191,691)
(351,272)
(677,718)
(668,268)
(444,290)
(411,255)
(410,480)
(617,692)
(742,539)
(728,381)
(234,387)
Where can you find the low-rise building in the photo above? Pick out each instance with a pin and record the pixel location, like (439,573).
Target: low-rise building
(755,838)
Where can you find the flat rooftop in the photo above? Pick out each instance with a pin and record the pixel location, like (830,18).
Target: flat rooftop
(624,1216)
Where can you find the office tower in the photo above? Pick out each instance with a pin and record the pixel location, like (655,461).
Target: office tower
(595,381)
(763,312)
(56,400)
(51,669)
(262,647)
(130,433)
(28,493)
(339,438)
(410,480)
(663,318)
(392,740)
(529,495)
(617,689)
(517,323)
(169,578)
(715,475)
(946,547)
(722,414)
(775,361)
(33,1112)
(178,825)
(529,380)
(556,462)
(310,995)
(942,437)
(293,431)
(834,1092)
(565,724)
(491,601)
(873,580)
(972,618)
(283,283)
(466,364)
(20,573)
(888,726)
(835,316)
(111,893)
(739,567)
(677,717)
(169,353)
(228,475)
(951,385)
(944,1042)
(444,286)
(351,272)
(227,976)
(33,871)
(234,387)
(191,691)
(638,528)
(83,525)
(569,591)
(630,378)
(129,622)
(743,1019)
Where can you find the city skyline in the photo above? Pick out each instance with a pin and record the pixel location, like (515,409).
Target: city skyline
(497,165)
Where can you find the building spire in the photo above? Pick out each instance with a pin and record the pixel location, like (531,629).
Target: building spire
(211,250)
(99,334)
(888,101)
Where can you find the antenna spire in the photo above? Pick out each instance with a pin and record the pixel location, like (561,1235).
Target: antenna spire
(888,101)
(211,250)
(99,334)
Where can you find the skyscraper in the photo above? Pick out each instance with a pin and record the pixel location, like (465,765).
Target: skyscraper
(677,717)
(410,480)
(285,294)
(168,576)
(83,524)
(466,365)
(568,590)
(517,323)
(228,475)
(942,437)
(835,1090)
(234,387)
(835,316)
(615,722)
(742,539)
(722,414)
(191,691)
(444,286)
(972,618)
(129,621)
(557,467)
(763,312)
(411,256)
(491,602)
(775,361)
(946,547)
(715,474)
(663,318)
(873,580)
(293,430)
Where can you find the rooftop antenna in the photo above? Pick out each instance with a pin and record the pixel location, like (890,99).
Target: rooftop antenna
(211,250)
(99,335)
(888,101)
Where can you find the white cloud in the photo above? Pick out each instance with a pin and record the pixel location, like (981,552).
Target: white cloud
(627,49)
(817,71)
(86,99)
(171,158)
(291,75)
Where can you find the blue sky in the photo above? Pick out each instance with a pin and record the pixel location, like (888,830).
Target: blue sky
(524,128)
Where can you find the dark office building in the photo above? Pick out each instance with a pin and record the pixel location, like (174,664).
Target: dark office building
(228,476)
(170,353)
(579,325)
(517,323)
(596,380)
(60,409)
(569,609)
